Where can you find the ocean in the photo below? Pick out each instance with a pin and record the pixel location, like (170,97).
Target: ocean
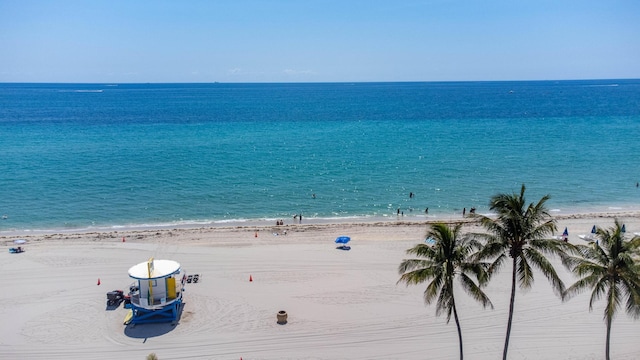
(85,157)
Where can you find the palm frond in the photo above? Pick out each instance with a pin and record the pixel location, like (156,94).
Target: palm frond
(478,269)
(445,302)
(423,251)
(432,289)
(613,301)
(415,271)
(475,291)
(590,268)
(580,285)
(599,288)
(496,265)
(541,263)
(524,272)
(631,291)
(491,250)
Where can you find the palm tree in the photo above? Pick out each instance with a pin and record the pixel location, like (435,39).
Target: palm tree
(610,267)
(441,263)
(519,231)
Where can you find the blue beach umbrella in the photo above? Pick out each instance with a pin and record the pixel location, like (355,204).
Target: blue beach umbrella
(593,229)
(343,239)
(624,229)
(566,232)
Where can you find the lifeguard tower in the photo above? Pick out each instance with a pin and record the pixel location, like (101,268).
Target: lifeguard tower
(156,295)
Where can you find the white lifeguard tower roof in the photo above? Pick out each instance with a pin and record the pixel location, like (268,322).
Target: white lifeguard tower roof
(160,269)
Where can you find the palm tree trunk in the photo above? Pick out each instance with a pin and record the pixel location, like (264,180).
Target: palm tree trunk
(455,316)
(511,304)
(609,319)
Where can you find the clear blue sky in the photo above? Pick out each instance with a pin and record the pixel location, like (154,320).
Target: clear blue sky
(317,40)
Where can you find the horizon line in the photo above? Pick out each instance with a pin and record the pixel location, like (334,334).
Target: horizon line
(315,82)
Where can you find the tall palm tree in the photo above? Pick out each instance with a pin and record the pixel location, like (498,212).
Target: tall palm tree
(447,259)
(611,268)
(519,232)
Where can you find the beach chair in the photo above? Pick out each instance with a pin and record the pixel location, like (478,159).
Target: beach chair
(565,235)
(591,237)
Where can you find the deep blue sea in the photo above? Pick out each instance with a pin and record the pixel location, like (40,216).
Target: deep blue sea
(111,156)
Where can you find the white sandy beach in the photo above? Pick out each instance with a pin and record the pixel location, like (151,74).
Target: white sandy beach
(340,304)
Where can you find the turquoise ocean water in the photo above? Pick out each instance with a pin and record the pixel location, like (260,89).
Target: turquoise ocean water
(111,156)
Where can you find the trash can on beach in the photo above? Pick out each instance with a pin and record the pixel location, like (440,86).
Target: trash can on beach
(282,317)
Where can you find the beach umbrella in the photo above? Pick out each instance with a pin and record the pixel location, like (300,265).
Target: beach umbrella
(343,239)
(593,229)
(566,232)
(624,229)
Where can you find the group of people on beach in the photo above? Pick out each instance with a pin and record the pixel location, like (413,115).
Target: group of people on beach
(296,218)
(401,212)
(426,210)
(411,196)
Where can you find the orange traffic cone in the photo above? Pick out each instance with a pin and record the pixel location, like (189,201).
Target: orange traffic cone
(98,281)
(250,279)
